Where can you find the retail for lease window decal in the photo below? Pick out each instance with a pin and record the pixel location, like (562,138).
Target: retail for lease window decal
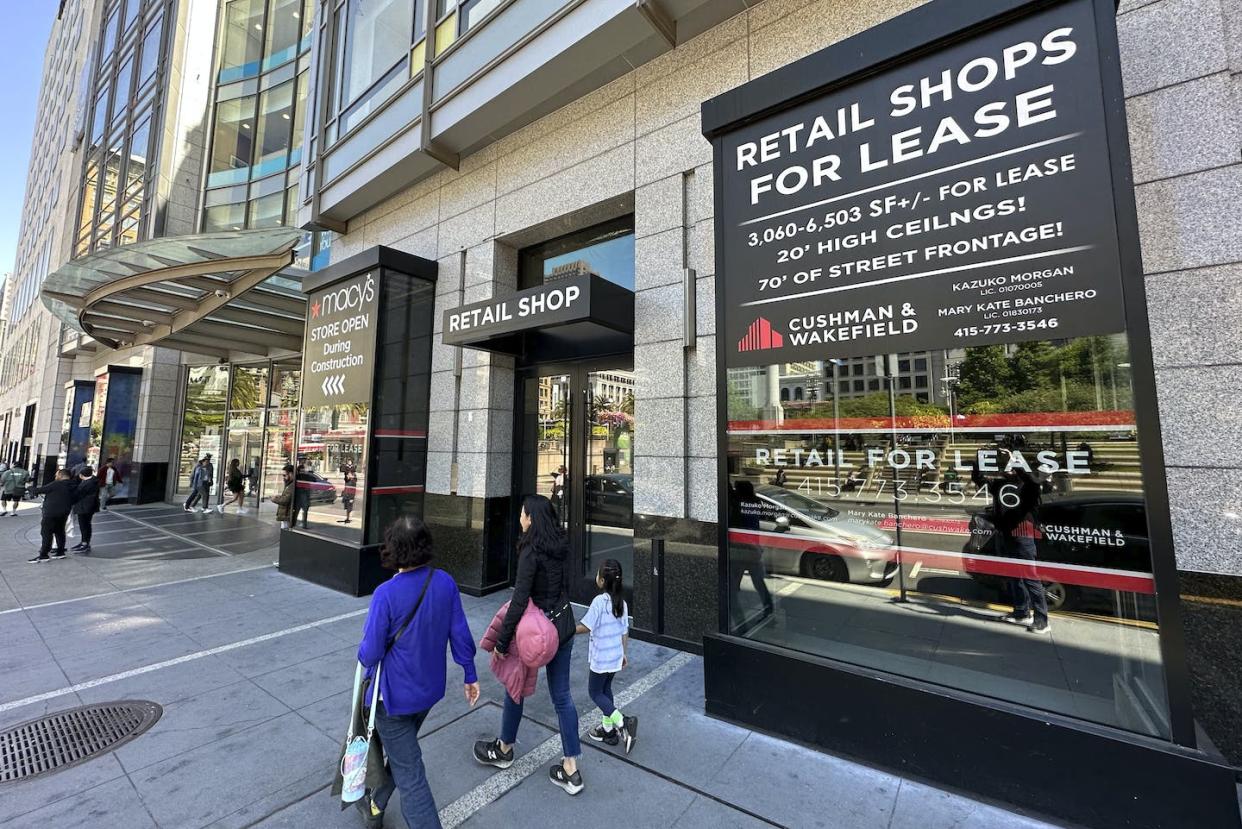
(928,382)
(962,198)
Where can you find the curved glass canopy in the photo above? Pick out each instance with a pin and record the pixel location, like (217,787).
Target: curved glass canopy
(215,294)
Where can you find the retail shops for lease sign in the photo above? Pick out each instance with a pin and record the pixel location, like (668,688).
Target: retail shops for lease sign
(960,199)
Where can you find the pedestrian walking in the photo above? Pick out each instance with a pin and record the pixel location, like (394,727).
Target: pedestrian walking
(200,486)
(234,482)
(543,576)
(109,481)
(411,643)
(607,621)
(59,498)
(13,487)
(284,501)
(86,507)
(349,491)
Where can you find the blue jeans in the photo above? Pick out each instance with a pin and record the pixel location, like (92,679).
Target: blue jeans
(566,714)
(599,686)
(1028,594)
(399,735)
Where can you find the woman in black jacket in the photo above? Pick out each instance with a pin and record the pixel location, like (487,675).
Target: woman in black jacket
(543,577)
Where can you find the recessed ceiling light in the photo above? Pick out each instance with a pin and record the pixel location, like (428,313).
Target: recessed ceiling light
(245,126)
(259,26)
(285,115)
(297,16)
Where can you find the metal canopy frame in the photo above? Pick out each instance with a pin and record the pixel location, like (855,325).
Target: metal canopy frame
(210,294)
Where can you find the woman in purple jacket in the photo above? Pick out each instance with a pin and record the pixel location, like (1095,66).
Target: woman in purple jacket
(415,672)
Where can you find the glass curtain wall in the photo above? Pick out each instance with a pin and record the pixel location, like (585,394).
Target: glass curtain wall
(262,94)
(899,527)
(246,413)
(116,175)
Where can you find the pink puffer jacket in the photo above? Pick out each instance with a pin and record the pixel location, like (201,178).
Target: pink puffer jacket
(535,644)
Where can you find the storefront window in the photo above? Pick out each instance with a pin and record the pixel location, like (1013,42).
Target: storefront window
(606,250)
(895,531)
(331,464)
(202,425)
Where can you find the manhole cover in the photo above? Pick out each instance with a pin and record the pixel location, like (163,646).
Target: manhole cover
(67,738)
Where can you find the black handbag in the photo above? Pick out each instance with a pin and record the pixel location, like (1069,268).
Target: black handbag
(563,619)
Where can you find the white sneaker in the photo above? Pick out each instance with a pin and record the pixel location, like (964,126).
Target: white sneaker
(220,508)
(188,509)
(206,510)
(243,511)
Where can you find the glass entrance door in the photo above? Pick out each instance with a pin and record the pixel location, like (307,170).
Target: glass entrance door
(577,449)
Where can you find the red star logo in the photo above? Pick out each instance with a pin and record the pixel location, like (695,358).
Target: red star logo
(315,310)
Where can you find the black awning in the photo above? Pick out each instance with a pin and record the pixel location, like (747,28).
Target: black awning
(576,316)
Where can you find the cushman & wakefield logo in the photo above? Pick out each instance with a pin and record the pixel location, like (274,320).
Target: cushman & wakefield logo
(761,336)
(349,298)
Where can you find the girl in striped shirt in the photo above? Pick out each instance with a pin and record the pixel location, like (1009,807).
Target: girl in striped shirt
(607,621)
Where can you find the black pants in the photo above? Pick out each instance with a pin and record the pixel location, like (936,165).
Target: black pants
(53,527)
(84,524)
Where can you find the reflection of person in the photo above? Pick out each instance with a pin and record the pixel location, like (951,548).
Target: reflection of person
(781,476)
(1015,501)
(284,501)
(1088,453)
(558,490)
(350,490)
(745,509)
(301,496)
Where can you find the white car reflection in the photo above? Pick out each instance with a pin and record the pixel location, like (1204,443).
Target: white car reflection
(835,548)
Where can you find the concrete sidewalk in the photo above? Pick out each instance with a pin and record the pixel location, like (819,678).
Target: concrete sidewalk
(253,669)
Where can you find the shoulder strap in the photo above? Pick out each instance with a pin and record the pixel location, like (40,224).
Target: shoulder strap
(431,571)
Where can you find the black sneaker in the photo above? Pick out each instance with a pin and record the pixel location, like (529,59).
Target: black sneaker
(83,550)
(629,731)
(571,783)
(1019,618)
(599,735)
(58,554)
(37,560)
(1040,626)
(77,547)
(489,753)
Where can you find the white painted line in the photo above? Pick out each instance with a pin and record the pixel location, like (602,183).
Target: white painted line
(909,179)
(955,269)
(174,535)
(472,801)
(180,660)
(136,589)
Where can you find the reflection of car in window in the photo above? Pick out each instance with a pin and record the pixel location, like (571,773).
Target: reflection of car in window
(610,499)
(835,548)
(320,490)
(1108,531)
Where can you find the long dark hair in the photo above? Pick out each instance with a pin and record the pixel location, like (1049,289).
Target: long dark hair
(545,536)
(610,572)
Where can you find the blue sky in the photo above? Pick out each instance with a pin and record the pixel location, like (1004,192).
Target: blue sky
(23,38)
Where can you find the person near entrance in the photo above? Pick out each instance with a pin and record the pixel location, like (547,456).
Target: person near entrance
(234,482)
(59,498)
(86,507)
(302,496)
(13,487)
(109,480)
(284,501)
(200,485)
(349,475)
(607,622)
(544,577)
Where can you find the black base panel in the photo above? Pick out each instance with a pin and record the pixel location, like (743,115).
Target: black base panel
(342,567)
(1088,776)
(148,483)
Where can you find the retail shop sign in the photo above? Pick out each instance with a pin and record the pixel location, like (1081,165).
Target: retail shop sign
(560,301)
(959,199)
(340,342)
